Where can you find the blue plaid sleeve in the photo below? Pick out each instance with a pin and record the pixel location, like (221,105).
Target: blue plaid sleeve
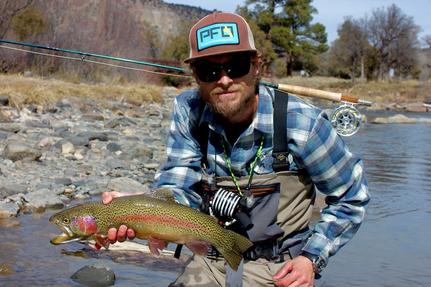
(182,169)
(337,173)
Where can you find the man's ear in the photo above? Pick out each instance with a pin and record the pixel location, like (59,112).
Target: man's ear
(257,64)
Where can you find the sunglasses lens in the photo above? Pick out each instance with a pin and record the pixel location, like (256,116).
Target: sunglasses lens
(208,72)
(211,72)
(237,68)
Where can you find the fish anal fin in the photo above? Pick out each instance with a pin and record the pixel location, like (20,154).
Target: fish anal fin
(199,247)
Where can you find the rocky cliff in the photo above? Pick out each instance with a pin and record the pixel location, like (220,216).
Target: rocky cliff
(134,29)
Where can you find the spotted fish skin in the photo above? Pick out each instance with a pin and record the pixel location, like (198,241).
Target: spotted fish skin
(150,218)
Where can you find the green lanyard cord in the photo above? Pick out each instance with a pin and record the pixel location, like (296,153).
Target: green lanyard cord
(252,166)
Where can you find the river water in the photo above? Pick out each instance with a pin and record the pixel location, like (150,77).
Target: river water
(392,248)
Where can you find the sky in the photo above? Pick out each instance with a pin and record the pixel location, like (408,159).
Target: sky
(331,13)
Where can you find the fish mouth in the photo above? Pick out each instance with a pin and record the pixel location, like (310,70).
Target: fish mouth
(66,237)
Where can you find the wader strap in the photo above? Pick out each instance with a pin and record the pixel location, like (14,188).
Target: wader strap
(280,152)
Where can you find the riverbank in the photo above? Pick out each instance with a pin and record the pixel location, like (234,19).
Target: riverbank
(70,145)
(61,141)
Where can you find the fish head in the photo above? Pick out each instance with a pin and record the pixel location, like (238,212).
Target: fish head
(75,225)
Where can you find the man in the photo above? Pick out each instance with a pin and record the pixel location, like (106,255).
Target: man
(227,140)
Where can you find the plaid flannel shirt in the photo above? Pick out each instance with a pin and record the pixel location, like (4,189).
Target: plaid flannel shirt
(312,141)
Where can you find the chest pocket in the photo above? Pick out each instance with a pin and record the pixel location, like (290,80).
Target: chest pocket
(283,203)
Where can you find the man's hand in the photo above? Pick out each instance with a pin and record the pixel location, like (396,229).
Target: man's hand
(296,273)
(123,232)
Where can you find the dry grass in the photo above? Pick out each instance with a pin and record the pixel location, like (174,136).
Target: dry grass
(32,90)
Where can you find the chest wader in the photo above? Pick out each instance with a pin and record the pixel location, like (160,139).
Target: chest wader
(282,208)
(283,203)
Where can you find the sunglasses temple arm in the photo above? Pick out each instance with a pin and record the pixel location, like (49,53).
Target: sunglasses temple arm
(315,93)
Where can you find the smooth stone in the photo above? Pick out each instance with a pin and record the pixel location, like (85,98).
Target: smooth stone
(94,276)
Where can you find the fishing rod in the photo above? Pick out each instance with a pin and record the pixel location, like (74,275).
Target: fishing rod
(346,118)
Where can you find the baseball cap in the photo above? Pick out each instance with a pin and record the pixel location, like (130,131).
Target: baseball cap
(220,33)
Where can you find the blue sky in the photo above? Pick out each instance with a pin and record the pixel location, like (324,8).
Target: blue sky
(331,13)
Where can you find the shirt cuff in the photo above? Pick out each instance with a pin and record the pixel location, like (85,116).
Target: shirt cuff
(318,245)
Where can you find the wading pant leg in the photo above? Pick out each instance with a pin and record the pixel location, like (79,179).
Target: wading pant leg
(260,272)
(202,272)
(205,272)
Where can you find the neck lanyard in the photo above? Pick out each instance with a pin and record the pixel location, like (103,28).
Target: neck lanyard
(252,166)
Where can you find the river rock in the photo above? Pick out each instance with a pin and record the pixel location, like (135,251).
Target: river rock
(67,148)
(4,100)
(400,119)
(113,147)
(10,127)
(44,198)
(8,209)
(3,136)
(120,121)
(125,184)
(18,151)
(94,276)
(8,189)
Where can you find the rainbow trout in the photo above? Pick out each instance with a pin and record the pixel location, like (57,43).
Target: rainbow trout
(150,218)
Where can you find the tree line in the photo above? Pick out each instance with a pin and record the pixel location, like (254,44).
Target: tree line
(380,46)
(377,47)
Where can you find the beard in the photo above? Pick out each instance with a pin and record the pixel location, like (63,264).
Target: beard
(231,106)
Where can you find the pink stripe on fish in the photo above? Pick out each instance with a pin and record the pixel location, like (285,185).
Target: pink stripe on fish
(162,219)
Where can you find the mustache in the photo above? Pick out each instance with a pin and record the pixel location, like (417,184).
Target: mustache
(219,90)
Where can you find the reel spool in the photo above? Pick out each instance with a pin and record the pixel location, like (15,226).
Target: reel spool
(346,120)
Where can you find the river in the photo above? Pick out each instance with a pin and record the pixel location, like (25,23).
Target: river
(390,249)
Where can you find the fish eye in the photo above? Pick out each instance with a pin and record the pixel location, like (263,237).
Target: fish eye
(66,220)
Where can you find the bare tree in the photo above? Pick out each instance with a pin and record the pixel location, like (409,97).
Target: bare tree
(8,9)
(349,49)
(393,36)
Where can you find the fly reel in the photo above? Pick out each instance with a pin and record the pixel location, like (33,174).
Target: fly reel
(346,120)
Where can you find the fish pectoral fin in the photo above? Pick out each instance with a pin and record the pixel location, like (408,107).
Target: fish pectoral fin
(156,245)
(198,247)
(101,241)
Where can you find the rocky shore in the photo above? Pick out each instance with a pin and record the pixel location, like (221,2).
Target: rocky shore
(78,148)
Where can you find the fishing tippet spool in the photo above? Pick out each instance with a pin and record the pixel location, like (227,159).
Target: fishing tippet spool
(346,120)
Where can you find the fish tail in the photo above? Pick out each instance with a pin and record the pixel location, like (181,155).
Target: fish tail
(233,253)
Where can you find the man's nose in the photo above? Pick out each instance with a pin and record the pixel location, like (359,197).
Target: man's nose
(225,80)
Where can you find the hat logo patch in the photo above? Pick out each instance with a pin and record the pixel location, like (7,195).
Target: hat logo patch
(217,34)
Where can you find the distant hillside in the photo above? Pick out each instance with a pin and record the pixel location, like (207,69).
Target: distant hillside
(123,28)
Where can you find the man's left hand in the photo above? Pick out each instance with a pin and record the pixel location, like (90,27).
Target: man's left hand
(295,273)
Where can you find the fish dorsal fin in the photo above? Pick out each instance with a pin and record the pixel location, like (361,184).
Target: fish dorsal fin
(164,193)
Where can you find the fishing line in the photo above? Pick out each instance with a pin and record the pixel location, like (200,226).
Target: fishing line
(82,59)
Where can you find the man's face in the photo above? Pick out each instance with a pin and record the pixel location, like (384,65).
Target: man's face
(227,83)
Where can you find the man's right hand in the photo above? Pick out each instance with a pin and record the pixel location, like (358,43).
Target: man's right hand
(123,232)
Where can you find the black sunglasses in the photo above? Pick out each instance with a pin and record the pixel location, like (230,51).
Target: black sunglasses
(210,72)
